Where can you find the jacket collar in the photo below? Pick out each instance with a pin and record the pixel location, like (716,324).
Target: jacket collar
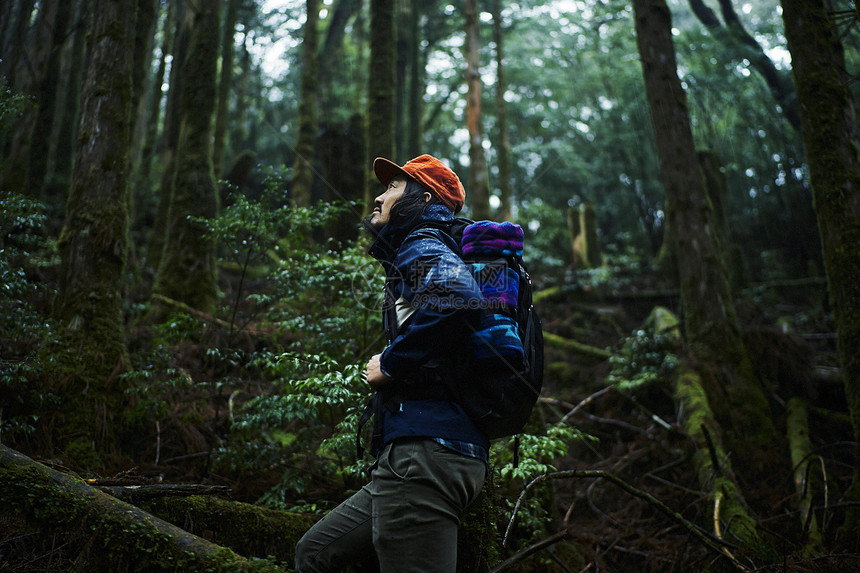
(389,239)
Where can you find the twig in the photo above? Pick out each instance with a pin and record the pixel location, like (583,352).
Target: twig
(532,549)
(584,403)
(715,544)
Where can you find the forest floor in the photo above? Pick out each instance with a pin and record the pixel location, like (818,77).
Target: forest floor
(593,524)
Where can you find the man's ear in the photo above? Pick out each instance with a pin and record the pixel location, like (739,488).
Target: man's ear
(427,196)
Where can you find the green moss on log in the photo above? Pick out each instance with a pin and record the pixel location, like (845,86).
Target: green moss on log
(107,534)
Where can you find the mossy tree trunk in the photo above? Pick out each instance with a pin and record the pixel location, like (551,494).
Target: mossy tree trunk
(187,271)
(479,184)
(381,88)
(106,534)
(303,171)
(711,326)
(89,350)
(504,143)
(829,128)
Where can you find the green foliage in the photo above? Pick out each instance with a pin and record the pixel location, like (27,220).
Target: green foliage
(645,358)
(11,105)
(24,250)
(305,424)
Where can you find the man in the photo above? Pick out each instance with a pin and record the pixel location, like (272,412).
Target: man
(431,460)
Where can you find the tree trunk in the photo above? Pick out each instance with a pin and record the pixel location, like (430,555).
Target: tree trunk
(831,142)
(170,132)
(144,185)
(29,76)
(40,142)
(225,82)
(108,534)
(303,172)
(712,329)
(381,87)
(479,185)
(15,37)
(66,125)
(187,271)
(415,123)
(504,145)
(90,349)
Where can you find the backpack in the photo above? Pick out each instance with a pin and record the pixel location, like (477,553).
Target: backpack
(505,362)
(505,372)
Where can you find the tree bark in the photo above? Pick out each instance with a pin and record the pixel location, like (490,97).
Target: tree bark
(90,350)
(187,271)
(504,145)
(169,139)
(711,326)
(111,534)
(225,82)
(479,185)
(303,172)
(381,82)
(833,152)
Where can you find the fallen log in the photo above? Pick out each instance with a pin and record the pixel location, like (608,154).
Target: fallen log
(569,345)
(107,534)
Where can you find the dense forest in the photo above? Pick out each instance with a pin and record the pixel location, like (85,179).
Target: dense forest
(186,300)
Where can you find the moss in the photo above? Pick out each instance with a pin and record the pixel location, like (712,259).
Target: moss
(717,478)
(107,534)
(247,529)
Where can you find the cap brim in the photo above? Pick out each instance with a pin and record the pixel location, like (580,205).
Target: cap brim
(386,170)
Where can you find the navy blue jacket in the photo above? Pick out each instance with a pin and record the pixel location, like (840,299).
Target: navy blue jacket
(436,306)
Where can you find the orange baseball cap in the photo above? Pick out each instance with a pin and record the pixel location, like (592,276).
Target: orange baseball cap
(430,172)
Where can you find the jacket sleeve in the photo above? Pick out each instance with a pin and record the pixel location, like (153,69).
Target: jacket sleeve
(446,300)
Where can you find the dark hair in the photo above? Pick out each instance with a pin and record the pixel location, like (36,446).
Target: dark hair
(408,209)
(411,204)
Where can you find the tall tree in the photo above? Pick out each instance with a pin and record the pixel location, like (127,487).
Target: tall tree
(829,129)
(225,82)
(415,99)
(479,185)
(187,270)
(47,96)
(16,23)
(30,79)
(381,85)
(711,326)
(303,172)
(504,145)
(68,110)
(169,139)
(91,351)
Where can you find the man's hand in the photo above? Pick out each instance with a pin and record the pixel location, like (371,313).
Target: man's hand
(375,376)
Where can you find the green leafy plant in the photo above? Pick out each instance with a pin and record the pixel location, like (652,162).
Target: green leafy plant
(645,358)
(24,251)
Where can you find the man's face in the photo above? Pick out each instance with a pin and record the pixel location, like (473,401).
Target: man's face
(384,202)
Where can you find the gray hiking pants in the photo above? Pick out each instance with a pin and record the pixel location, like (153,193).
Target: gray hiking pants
(407,515)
